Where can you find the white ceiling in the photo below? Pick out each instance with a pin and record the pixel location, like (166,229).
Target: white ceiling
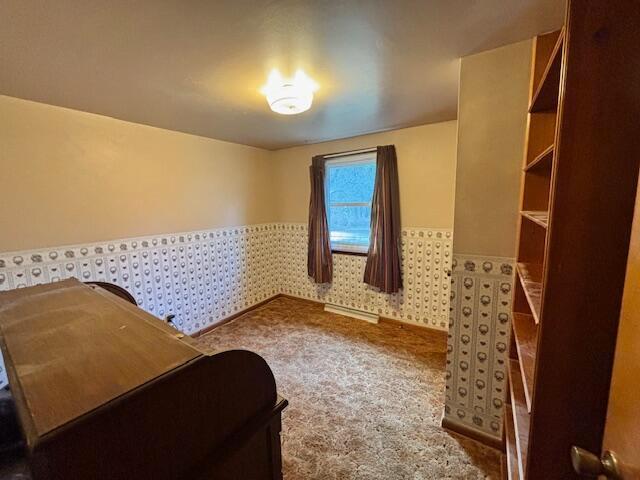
(197,66)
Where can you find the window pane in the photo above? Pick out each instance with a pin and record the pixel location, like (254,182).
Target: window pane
(350,225)
(351,183)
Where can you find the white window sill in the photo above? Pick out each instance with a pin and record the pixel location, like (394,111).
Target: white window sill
(350,249)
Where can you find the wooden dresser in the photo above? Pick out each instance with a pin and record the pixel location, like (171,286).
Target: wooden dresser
(104,390)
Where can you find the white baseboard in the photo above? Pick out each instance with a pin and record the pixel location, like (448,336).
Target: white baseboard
(350,312)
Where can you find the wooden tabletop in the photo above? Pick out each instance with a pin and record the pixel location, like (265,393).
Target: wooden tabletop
(70,349)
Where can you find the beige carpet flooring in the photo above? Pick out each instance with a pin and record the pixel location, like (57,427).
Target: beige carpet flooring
(365,401)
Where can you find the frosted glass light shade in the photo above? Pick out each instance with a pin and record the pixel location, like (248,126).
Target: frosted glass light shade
(289,96)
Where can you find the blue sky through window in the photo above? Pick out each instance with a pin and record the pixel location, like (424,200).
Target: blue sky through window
(349,189)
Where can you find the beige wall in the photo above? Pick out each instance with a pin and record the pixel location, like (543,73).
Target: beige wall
(72,177)
(492,109)
(426,169)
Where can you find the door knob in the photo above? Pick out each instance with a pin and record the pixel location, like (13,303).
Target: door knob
(586,463)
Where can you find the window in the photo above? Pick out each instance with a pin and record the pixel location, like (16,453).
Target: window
(349,184)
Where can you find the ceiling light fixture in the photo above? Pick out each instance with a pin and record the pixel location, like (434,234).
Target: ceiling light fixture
(289,96)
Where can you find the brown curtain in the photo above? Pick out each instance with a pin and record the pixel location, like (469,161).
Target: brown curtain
(319,262)
(383,261)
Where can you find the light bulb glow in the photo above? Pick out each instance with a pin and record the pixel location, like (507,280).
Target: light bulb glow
(289,96)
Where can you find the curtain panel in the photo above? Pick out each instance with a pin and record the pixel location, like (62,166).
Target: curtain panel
(319,261)
(383,260)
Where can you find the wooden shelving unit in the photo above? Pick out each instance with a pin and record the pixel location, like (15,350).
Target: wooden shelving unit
(532,239)
(578,193)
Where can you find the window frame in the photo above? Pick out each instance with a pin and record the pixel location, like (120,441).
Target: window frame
(366,158)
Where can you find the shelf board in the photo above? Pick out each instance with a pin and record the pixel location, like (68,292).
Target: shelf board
(511,449)
(542,161)
(539,217)
(546,97)
(520,416)
(526,340)
(530,275)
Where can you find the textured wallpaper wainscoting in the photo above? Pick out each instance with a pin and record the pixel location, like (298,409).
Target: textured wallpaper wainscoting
(205,276)
(481,291)
(426,263)
(201,277)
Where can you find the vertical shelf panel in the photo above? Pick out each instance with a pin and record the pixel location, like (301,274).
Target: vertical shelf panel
(526,341)
(520,416)
(512,451)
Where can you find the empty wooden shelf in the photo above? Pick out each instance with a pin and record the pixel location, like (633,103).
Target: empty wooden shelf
(546,96)
(542,161)
(538,217)
(526,338)
(530,275)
